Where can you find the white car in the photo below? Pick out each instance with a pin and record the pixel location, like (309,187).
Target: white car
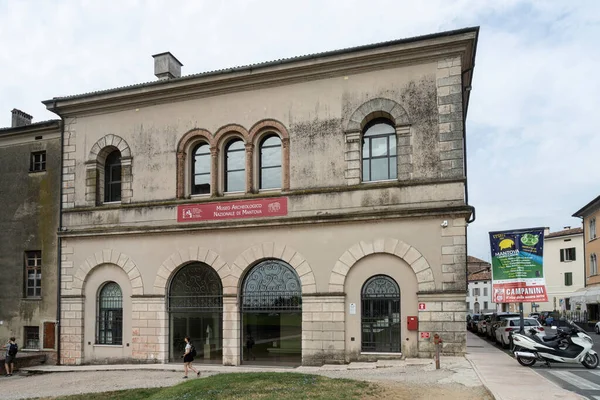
(597,328)
(512,325)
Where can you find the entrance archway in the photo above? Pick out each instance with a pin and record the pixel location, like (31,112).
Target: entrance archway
(271,319)
(196,310)
(380,315)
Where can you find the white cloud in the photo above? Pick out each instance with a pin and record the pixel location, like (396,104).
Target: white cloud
(534,107)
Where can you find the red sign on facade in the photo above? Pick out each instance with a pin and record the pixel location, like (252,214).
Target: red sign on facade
(422,307)
(275,207)
(425,335)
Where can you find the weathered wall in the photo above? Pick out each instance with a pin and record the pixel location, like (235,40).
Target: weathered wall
(314,113)
(28,221)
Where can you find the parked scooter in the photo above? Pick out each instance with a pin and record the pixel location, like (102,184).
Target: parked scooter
(571,345)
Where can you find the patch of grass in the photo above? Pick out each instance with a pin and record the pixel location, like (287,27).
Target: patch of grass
(262,385)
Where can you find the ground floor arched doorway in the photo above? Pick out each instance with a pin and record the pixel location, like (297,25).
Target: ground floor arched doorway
(380,315)
(271,315)
(196,310)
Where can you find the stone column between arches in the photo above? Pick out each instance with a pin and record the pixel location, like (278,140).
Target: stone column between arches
(71,330)
(231,331)
(149,324)
(323,329)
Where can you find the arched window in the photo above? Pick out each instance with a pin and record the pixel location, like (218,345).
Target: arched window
(270,163)
(235,166)
(112,177)
(379,155)
(109,323)
(201,169)
(380,315)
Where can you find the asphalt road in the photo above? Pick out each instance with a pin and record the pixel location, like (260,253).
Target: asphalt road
(573,377)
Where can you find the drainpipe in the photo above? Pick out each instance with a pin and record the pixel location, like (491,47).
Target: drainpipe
(59,252)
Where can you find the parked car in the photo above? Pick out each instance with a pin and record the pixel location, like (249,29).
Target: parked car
(597,328)
(535,315)
(472,323)
(484,319)
(495,320)
(512,324)
(548,317)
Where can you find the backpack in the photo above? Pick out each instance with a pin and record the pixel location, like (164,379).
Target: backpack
(13,349)
(193,351)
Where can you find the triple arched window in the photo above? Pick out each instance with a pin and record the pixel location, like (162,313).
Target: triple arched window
(232,161)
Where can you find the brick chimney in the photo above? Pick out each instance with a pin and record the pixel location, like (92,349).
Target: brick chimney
(166,66)
(19,118)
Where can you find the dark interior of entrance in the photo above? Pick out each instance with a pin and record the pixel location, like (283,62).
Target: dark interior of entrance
(380,319)
(271,319)
(196,310)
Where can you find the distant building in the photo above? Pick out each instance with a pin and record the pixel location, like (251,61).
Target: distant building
(479,296)
(30,171)
(563,268)
(588,299)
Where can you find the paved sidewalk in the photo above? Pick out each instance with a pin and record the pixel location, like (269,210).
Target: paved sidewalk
(506,378)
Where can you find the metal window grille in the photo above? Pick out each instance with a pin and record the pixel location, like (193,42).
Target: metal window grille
(32,337)
(33,272)
(38,161)
(377,164)
(272,285)
(110,315)
(380,315)
(196,287)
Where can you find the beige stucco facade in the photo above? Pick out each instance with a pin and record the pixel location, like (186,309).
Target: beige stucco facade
(337,231)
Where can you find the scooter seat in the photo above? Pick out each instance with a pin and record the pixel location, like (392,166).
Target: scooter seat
(552,342)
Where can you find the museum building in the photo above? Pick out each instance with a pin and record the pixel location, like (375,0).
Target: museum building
(303,211)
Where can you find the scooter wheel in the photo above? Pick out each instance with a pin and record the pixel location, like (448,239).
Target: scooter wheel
(590,361)
(526,362)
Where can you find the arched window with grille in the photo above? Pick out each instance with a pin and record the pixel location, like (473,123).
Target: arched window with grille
(380,315)
(235,166)
(270,162)
(201,169)
(112,177)
(109,323)
(379,151)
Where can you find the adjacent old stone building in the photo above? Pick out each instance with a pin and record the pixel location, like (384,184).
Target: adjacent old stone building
(301,211)
(30,173)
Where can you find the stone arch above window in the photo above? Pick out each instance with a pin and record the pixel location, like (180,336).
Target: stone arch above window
(269,250)
(395,247)
(257,133)
(184,148)
(106,256)
(94,183)
(377,109)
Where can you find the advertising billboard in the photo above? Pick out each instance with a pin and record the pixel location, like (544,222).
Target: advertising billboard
(517,266)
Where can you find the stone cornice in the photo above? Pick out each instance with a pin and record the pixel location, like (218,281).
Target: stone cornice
(461,43)
(458,211)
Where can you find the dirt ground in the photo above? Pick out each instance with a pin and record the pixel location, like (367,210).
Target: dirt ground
(454,391)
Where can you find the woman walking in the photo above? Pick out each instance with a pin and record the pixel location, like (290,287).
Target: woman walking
(188,357)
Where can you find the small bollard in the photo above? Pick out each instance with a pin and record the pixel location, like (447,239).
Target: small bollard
(437,341)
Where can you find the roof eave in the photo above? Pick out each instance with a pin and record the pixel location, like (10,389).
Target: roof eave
(580,213)
(277,72)
(35,127)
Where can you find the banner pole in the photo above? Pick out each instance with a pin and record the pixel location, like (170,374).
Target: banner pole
(521,322)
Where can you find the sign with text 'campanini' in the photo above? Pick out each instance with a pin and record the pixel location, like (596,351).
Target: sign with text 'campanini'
(274,207)
(517,266)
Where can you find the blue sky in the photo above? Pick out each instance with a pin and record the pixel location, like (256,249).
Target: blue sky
(535,104)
